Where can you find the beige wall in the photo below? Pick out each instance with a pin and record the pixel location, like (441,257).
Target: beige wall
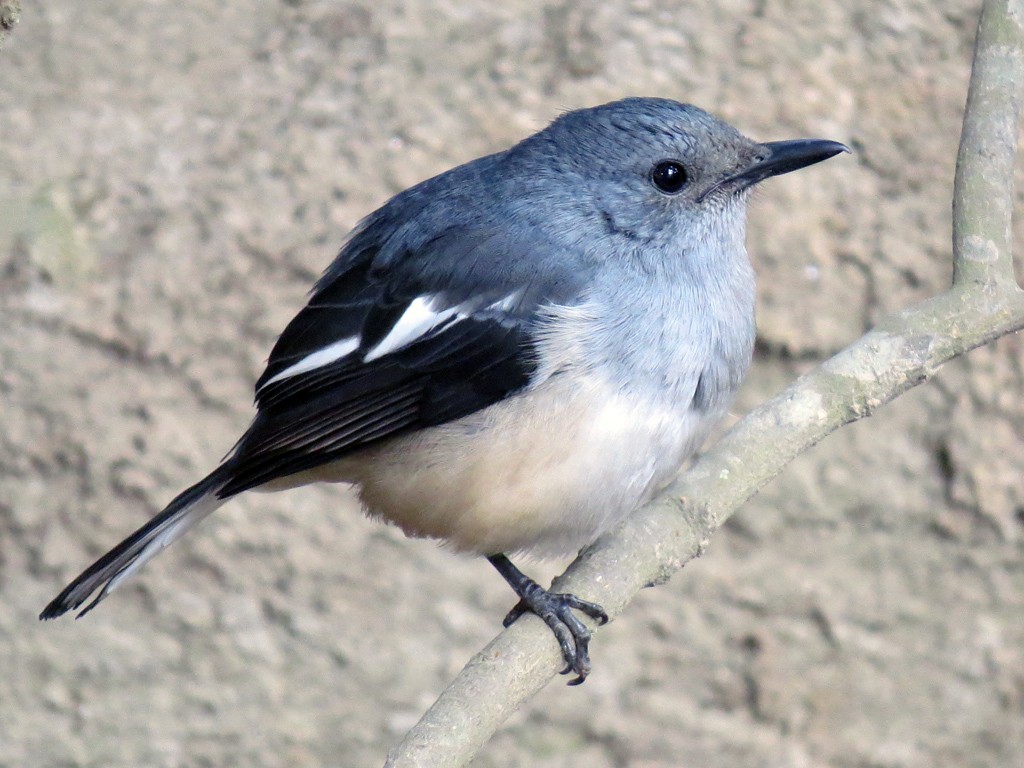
(172,177)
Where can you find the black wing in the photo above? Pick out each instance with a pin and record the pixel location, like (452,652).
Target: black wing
(401,336)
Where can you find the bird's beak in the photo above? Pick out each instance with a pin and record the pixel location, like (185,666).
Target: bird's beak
(778,157)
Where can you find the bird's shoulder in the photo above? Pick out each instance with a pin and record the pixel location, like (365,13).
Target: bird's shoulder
(450,252)
(429,313)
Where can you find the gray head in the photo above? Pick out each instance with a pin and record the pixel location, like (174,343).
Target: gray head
(657,171)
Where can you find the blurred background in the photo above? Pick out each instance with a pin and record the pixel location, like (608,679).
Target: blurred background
(173,177)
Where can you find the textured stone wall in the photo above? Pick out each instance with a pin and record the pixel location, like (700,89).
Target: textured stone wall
(172,178)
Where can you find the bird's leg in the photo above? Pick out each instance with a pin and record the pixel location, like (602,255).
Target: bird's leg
(556,609)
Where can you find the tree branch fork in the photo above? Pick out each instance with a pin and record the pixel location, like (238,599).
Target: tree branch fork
(904,350)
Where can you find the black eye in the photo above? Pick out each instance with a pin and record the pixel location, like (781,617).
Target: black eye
(669,176)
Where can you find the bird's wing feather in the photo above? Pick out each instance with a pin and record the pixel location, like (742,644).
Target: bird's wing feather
(393,343)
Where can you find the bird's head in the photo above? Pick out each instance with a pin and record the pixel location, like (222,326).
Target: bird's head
(659,172)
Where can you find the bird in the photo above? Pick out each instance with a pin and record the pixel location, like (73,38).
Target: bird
(514,355)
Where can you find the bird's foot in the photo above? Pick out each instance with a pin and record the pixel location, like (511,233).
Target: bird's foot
(556,610)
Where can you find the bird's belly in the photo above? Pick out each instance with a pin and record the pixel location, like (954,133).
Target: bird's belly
(544,472)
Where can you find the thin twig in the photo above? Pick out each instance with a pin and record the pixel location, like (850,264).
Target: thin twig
(983,189)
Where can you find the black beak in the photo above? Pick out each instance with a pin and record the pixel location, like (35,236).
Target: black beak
(779,157)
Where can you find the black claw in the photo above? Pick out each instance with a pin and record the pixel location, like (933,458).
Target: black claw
(518,610)
(556,610)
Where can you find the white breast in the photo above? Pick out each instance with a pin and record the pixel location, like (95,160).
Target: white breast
(544,472)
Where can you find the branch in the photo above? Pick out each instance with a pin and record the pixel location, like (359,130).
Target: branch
(983,189)
(902,352)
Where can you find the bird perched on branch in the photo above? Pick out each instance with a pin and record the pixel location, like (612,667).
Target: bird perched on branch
(514,355)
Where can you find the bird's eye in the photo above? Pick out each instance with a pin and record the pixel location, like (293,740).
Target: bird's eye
(669,176)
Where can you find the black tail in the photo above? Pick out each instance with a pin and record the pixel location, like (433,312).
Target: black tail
(187,509)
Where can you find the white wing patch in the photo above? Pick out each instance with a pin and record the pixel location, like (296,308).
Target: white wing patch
(416,321)
(508,303)
(318,359)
